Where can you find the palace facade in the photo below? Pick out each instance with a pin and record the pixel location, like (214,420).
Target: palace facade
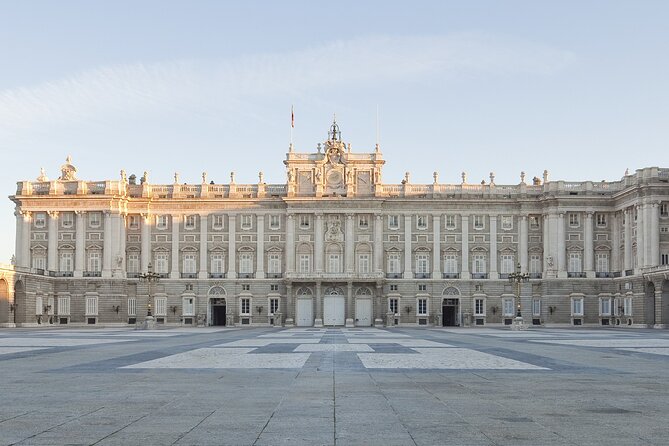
(336,246)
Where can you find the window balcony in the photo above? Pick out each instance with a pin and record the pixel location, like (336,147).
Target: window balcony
(217,275)
(189,275)
(274,275)
(92,273)
(617,274)
(536,275)
(503,275)
(246,275)
(574,275)
(163,275)
(451,275)
(604,275)
(132,275)
(479,275)
(422,275)
(393,275)
(629,272)
(63,274)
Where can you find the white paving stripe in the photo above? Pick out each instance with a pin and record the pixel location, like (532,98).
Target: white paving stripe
(446,358)
(10,350)
(225,358)
(608,342)
(403,342)
(268,341)
(653,351)
(292,335)
(56,342)
(333,348)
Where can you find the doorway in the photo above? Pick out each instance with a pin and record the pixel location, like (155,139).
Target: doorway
(449,312)
(305,312)
(363,312)
(218,312)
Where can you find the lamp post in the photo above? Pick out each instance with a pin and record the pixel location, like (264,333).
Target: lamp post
(149,277)
(517,278)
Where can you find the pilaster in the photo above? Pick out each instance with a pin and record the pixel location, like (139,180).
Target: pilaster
(493,247)
(290,243)
(523,243)
(561,247)
(52,248)
(349,255)
(318,243)
(588,248)
(80,245)
(378,243)
(436,246)
(204,251)
(465,247)
(408,274)
(260,255)
(146,242)
(174,270)
(232,246)
(628,217)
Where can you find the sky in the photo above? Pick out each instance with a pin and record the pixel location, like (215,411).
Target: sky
(575,87)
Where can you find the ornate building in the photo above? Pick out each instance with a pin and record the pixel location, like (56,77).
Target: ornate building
(334,245)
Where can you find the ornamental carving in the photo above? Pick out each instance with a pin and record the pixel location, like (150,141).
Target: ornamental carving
(334,232)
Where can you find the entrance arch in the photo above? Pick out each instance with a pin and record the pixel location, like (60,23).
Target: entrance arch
(363,307)
(649,303)
(450,307)
(334,305)
(217,306)
(304,307)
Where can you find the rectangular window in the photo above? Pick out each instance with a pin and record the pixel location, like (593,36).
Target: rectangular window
(38,305)
(334,263)
(94,264)
(574,262)
(601,220)
(605,306)
(393,287)
(40,219)
(133,221)
(305,221)
(507,307)
(421,222)
(94,219)
(534,222)
(188,307)
(190,222)
(577,306)
(63,306)
(304,263)
(217,222)
(274,287)
(132,306)
(664,259)
(273,305)
(363,221)
(66,263)
(189,263)
(450,222)
(573,220)
(217,263)
(536,307)
(246,287)
(274,263)
(393,222)
(628,306)
(67,219)
(507,222)
(479,264)
(602,265)
(422,263)
(161,306)
(132,265)
(422,307)
(664,210)
(274,222)
(39,261)
(478,222)
(91,306)
(161,221)
(247,221)
(161,266)
(363,263)
(393,305)
(451,263)
(535,264)
(479,307)
(393,263)
(245,263)
(506,264)
(245,306)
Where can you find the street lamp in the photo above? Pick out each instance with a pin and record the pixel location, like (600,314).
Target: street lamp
(149,277)
(517,278)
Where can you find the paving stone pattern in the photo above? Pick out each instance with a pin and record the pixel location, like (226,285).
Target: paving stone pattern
(339,386)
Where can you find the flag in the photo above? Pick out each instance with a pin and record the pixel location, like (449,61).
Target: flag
(292,117)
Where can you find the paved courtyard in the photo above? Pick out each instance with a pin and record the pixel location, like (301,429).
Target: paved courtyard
(334,386)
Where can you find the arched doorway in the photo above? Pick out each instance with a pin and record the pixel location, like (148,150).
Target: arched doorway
(649,302)
(450,307)
(304,307)
(363,307)
(217,306)
(334,305)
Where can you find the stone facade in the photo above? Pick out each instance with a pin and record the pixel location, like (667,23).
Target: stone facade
(334,245)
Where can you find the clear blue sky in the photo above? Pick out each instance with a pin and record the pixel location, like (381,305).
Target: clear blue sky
(576,87)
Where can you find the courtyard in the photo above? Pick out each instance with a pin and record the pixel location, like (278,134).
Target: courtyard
(400,386)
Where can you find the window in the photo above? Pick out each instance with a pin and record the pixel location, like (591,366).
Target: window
(536,307)
(161,260)
(602,265)
(534,222)
(94,219)
(217,263)
(245,306)
(132,306)
(304,265)
(91,306)
(535,264)
(67,219)
(94,261)
(605,306)
(63,306)
(190,222)
(132,265)
(393,263)
(573,220)
(188,307)
(161,221)
(664,259)
(393,305)
(38,305)
(189,265)
(274,222)
(421,222)
(450,263)
(478,222)
(274,287)
(627,304)
(305,221)
(422,287)
(245,263)
(506,264)
(189,287)
(363,221)
(393,287)
(39,260)
(393,222)
(422,263)
(273,305)
(40,220)
(507,307)
(664,210)
(422,307)
(247,221)
(161,306)
(479,265)
(601,220)
(507,222)
(334,263)
(363,263)
(218,222)
(479,307)
(66,264)
(246,287)
(577,306)
(574,262)
(133,221)
(450,222)
(274,263)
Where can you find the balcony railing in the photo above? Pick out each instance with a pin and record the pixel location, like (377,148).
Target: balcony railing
(479,275)
(629,272)
(423,275)
(92,274)
(63,274)
(503,275)
(393,275)
(451,275)
(217,275)
(132,275)
(536,275)
(603,275)
(274,275)
(575,275)
(189,275)
(245,275)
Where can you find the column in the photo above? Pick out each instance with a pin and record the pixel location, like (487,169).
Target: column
(174,270)
(260,247)
(588,247)
(121,256)
(107,245)
(18,247)
(319,233)
(408,274)
(378,305)
(523,243)
(378,243)
(232,247)
(319,305)
(640,237)
(548,259)
(627,263)
(647,235)
(349,254)
(146,242)
(25,240)
(349,305)
(290,243)
(79,245)
(561,248)
(289,305)
(204,251)
(654,235)
(436,246)
(52,248)
(493,247)
(465,247)
(615,242)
